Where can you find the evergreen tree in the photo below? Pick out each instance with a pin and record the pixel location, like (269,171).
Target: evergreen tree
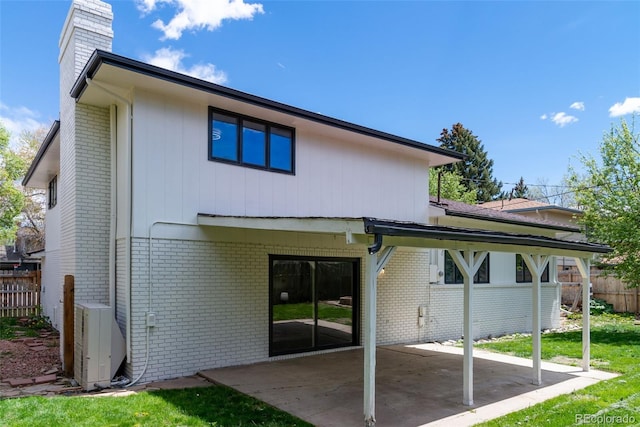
(520,190)
(477,168)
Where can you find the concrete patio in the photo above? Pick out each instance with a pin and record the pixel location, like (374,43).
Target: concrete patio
(416,385)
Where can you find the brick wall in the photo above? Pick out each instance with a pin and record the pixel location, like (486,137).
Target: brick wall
(497,310)
(211,303)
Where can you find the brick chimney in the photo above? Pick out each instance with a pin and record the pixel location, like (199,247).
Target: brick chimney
(85,156)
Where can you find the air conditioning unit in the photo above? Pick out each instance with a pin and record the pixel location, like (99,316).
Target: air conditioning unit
(99,346)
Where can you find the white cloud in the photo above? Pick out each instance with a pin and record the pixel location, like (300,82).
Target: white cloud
(562,119)
(578,105)
(172,60)
(199,14)
(20,119)
(630,105)
(544,117)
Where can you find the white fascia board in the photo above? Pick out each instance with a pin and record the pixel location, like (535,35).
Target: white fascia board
(420,242)
(308,225)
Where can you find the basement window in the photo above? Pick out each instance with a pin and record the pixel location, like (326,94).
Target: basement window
(250,142)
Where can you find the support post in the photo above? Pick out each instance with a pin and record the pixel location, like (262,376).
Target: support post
(370,341)
(467,363)
(68,307)
(536,265)
(468,263)
(373,267)
(584,265)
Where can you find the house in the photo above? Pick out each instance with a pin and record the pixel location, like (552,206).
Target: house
(536,209)
(13,259)
(217,224)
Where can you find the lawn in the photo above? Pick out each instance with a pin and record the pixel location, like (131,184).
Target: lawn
(615,346)
(328,312)
(205,406)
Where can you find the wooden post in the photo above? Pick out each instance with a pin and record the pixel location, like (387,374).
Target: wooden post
(68,324)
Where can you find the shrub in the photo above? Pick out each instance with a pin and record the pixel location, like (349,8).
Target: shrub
(599,306)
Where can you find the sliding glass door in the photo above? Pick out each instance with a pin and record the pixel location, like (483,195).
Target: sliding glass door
(313,303)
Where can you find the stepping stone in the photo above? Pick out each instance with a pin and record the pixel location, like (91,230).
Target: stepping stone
(45,379)
(18,382)
(38,348)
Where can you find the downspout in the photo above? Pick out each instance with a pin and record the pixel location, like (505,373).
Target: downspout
(377,244)
(113,208)
(129,186)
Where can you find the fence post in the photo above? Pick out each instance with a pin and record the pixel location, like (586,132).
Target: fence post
(68,324)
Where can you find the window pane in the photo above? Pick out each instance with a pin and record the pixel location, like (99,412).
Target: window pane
(453,275)
(482,275)
(335,315)
(281,149)
(254,144)
(224,137)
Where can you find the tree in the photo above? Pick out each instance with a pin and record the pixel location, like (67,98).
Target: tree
(608,191)
(12,168)
(450,186)
(31,231)
(477,169)
(520,190)
(559,195)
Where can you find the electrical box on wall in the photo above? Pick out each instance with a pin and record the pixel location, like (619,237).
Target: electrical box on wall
(92,356)
(433,273)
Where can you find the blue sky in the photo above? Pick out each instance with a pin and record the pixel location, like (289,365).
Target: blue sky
(538,82)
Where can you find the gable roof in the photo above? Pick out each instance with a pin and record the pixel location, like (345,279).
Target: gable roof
(111,64)
(460,209)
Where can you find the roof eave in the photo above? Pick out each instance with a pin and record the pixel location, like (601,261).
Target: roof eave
(100,57)
(390,228)
(46,143)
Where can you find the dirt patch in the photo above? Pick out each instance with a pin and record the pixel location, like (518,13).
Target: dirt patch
(30,357)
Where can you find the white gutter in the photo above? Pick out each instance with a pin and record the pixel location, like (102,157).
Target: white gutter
(128,224)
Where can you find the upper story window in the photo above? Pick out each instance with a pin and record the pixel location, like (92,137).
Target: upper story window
(250,142)
(53,192)
(523,275)
(453,275)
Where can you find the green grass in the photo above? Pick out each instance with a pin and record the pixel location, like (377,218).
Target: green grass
(615,346)
(30,326)
(327,312)
(205,406)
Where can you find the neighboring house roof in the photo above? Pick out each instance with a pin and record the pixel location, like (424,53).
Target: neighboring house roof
(460,209)
(524,205)
(8,254)
(111,64)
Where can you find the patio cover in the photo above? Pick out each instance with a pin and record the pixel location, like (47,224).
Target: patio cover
(468,248)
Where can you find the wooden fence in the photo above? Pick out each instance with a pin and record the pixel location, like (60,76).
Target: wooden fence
(19,294)
(605,287)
